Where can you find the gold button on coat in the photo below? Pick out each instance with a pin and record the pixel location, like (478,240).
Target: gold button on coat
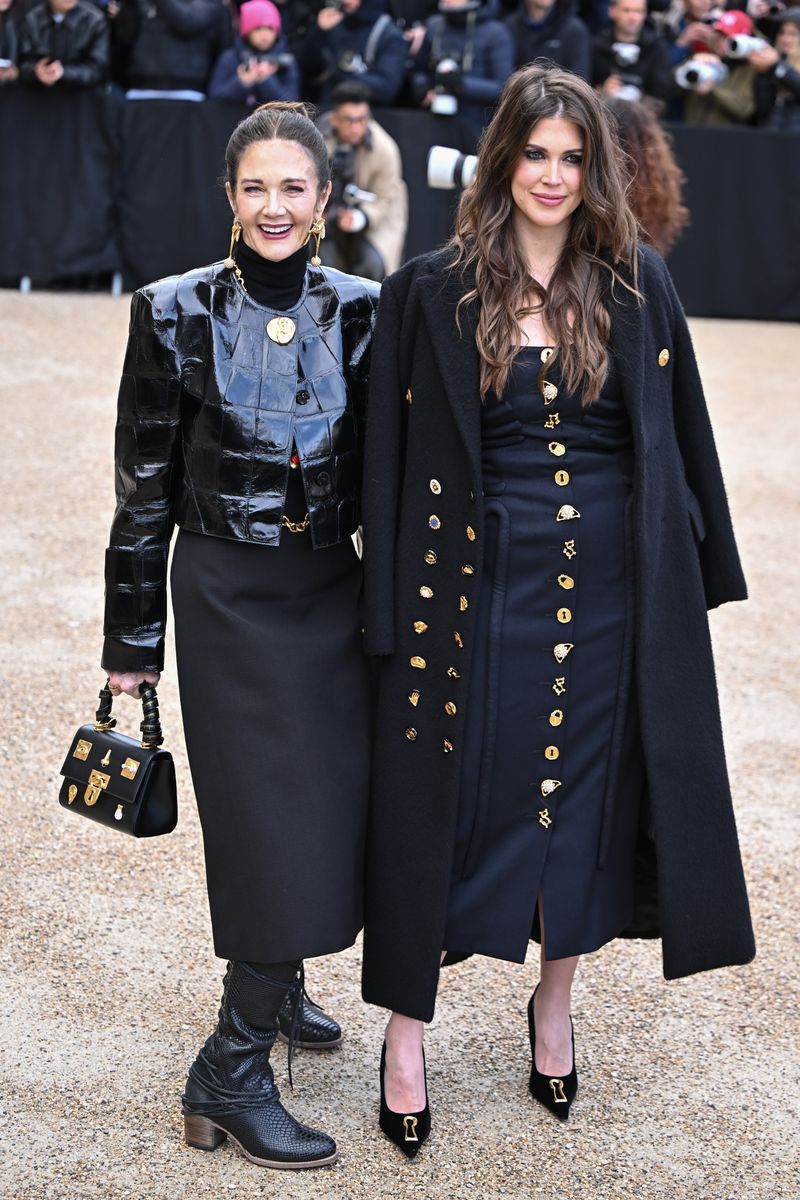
(564,615)
(546,353)
(557,448)
(561,651)
(436,487)
(411,734)
(450,708)
(434,521)
(453,673)
(459,641)
(467,569)
(551,753)
(470,533)
(663,358)
(413,697)
(549,391)
(549,785)
(447,746)
(418,662)
(567,513)
(463,603)
(566,582)
(430,557)
(420,627)
(426,592)
(544,818)
(561,478)
(556,717)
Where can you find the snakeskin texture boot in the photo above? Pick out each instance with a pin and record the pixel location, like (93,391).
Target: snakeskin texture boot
(317,1031)
(231,1090)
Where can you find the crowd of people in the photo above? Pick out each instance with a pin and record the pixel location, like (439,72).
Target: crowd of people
(692,60)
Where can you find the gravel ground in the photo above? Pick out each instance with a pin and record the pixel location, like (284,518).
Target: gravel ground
(109,983)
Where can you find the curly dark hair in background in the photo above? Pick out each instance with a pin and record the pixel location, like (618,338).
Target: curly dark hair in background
(656,179)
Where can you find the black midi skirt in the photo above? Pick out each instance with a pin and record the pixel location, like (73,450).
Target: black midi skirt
(273,688)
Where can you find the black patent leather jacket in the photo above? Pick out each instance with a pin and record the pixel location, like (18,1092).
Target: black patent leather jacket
(210,410)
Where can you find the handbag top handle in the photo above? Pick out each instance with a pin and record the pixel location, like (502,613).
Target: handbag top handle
(151,724)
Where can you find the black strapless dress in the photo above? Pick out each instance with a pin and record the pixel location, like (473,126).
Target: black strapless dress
(553,776)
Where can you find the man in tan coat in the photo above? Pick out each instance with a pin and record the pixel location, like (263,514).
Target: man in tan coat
(367,213)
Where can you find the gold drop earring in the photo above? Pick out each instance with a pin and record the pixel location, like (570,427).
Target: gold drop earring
(317,230)
(230,261)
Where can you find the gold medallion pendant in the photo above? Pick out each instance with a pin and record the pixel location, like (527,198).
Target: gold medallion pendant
(281,330)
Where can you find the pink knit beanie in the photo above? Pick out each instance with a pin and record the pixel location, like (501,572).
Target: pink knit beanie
(255,13)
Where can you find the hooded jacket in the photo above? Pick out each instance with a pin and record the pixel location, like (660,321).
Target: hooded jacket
(225,83)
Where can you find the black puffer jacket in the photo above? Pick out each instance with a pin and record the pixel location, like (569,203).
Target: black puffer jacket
(79,43)
(175,43)
(561,36)
(209,410)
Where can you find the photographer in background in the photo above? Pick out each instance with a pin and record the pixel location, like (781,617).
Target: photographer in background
(367,214)
(358,41)
(259,67)
(777,86)
(551,29)
(719,82)
(464,61)
(629,59)
(64,43)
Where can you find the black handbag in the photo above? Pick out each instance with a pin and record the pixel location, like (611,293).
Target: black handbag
(122,783)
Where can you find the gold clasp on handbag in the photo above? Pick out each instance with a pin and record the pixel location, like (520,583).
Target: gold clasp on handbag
(98,782)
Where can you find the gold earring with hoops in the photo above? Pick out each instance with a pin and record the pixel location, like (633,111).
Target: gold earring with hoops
(317,230)
(230,261)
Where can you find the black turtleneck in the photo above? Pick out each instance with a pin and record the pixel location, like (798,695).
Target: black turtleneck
(273,284)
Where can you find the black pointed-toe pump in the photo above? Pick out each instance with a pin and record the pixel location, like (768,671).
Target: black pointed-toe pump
(408,1131)
(556,1094)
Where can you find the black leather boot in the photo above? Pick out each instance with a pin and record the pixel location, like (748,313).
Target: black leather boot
(231,1090)
(316,1030)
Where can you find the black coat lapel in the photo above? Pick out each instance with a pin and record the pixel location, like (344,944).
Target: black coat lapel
(456,354)
(627,346)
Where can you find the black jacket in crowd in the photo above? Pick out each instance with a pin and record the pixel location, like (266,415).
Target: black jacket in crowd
(483,49)
(79,42)
(324,56)
(562,37)
(778,99)
(172,43)
(652,74)
(9,38)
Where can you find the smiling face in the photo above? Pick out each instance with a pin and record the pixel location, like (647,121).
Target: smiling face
(546,183)
(276,198)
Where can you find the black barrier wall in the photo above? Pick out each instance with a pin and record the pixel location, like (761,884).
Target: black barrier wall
(91,184)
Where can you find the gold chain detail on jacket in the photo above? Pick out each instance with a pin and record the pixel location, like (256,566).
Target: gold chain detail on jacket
(296,526)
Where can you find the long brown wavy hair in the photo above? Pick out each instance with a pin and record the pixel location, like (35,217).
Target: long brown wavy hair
(656,179)
(601,241)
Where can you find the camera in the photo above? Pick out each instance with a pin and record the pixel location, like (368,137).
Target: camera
(351,63)
(446,85)
(250,56)
(742,46)
(626,53)
(694,73)
(448,168)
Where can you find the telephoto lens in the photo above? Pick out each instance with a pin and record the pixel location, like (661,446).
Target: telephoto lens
(448,168)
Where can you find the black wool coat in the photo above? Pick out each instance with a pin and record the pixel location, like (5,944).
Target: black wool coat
(423,529)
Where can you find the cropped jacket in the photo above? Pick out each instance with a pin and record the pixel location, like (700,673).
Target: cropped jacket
(210,411)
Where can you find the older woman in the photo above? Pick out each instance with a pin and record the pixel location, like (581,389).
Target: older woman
(545,526)
(240,420)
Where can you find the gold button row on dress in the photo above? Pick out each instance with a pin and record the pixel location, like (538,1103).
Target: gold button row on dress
(420,627)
